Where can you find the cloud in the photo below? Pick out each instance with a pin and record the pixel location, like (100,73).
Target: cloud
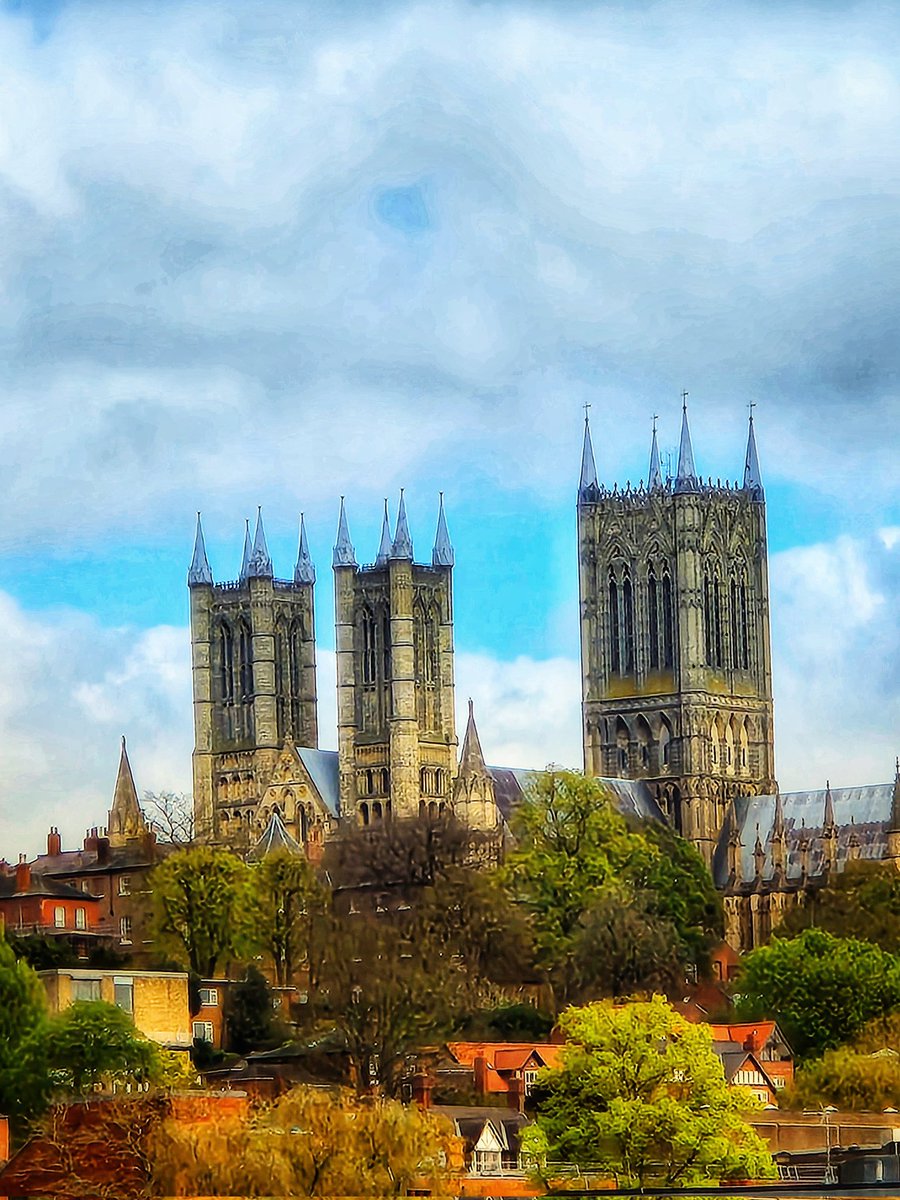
(836,645)
(286,250)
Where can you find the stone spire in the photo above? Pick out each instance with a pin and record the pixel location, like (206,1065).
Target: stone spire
(402,546)
(384,548)
(735,871)
(199,572)
(442,555)
(260,565)
(654,479)
(248,550)
(759,856)
(828,822)
(686,478)
(473,791)
(778,842)
(588,469)
(895,800)
(304,572)
(471,758)
(829,832)
(344,555)
(125,820)
(752,477)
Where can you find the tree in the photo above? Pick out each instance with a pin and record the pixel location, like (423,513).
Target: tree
(847,1079)
(24,1080)
(571,844)
(679,889)
(405,853)
(171,817)
(625,948)
(641,1094)
(383,997)
(288,905)
(202,906)
(94,1042)
(309,1143)
(863,901)
(249,1014)
(820,988)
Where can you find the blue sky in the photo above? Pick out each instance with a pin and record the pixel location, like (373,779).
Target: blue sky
(272,253)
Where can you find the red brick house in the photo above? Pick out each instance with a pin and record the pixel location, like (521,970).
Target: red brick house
(33,903)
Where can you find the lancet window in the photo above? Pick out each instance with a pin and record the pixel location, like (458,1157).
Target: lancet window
(712,618)
(427,666)
(660,651)
(740,625)
(621,622)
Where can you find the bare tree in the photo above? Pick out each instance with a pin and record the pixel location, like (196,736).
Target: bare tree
(171,817)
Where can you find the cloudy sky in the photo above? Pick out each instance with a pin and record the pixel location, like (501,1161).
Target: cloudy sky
(272,253)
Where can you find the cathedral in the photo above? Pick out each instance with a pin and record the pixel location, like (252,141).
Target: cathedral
(676,691)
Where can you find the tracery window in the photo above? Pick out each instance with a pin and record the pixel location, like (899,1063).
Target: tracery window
(368,647)
(659,609)
(712,619)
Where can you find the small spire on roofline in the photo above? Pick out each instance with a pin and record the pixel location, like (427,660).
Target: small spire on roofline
(402,546)
(260,565)
(588,468)
(752,476)
(199,572)
(686,478)
(384,548)
(344,554)
(654,479)
(828,822)
(442,555)
(304,571)
(895,800)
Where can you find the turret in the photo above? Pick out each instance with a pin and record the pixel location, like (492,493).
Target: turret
(752,476)
(829,833)
(125,821)
(402,546)
(735,870)
(304,571)
(384,546)
(260,564)
(247,553)
(588,478)
(759,857)
(442,554)
(686,478)
(778,845)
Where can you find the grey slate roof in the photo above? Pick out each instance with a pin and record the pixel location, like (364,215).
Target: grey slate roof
(275,838)
(322,767)
(865,811)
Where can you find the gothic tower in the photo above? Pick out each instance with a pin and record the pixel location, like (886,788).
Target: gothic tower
(254,673)
(676,661)
(394,639)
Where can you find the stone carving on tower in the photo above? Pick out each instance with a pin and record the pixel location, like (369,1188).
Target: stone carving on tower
(394,639)
(254,677)
(675,647)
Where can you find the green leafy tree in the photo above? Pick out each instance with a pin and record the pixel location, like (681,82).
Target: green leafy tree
(202,907)
(95,1042)
(679,889)
(572,843)
(24,1079)
(250,1016)
(625,948)
(820,988)
(862,901)
(847,1079)
(288,905)
(640,1094)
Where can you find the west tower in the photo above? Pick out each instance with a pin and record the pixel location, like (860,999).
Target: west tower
(675,645)
(394,639)
(254,675)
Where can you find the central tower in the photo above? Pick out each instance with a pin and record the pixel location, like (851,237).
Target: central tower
(394,639)
(675,647)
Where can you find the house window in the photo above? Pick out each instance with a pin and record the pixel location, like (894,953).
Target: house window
(202,1031)
(85,885)
(486,1162)
(530,1078)
(80,918)
(209,997)
(125,931)
(123,992)
(124,885)
(59,917)
(85,989)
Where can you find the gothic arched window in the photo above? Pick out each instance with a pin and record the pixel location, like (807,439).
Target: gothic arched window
(653,598)
(615,656)
(245,651)
(628,624)
(712,619)
(225,656)
(668,629)
(367,647)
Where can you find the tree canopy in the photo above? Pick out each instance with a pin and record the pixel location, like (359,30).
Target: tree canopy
(640,1094)
(24,1080)
(96,1042)
(862,901)
(309,1143)
(202,906)
(820,988)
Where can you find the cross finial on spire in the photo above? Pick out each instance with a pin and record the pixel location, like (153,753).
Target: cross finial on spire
(684,396)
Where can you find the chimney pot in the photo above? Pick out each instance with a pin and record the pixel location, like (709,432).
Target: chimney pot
(23,875)
(54,842)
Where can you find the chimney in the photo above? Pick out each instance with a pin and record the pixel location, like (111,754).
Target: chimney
(23,875)
(90,841)
(422,1088)
(479,1068)
(54,842)
(515,1096)
(4,1140)
(103,850)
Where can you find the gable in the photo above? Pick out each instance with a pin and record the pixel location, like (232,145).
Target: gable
(291,784)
